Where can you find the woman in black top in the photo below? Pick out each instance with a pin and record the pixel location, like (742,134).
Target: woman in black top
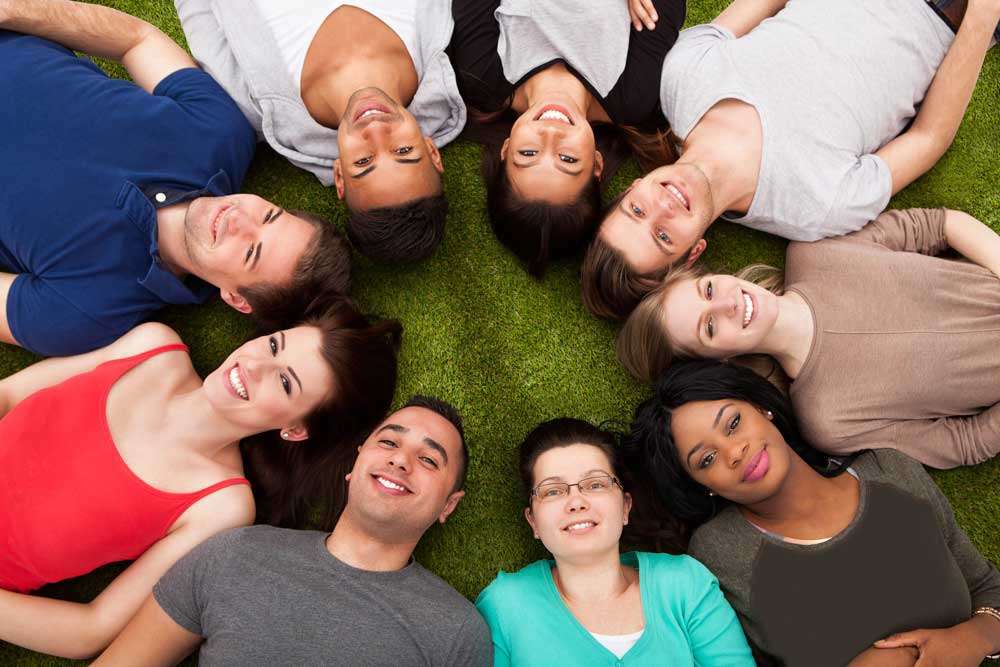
(551,137)
(821,562)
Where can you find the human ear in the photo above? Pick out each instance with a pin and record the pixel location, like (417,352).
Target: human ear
(628,507)
(696,250)
(503,149)
(236,300)
(434,154)
(295,433)
(599,165)
(450,506)
(531,521)
(338,178)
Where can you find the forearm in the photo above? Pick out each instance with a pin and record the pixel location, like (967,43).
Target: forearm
(949,93)
(987,630)
(904,656)
(92,29)
(66,629)
(974,240)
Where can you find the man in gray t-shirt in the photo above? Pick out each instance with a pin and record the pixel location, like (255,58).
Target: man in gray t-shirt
(270,596)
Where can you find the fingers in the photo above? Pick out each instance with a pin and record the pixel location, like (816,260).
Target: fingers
(642,14)
(915,639)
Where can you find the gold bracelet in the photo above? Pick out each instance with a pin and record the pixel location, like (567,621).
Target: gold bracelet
(988,611)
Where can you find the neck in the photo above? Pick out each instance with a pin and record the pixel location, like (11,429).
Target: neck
(731,188)
(352,544)
(791,336)
(800,499)
(170,238)
(190,423)
(555,81)
(593,580)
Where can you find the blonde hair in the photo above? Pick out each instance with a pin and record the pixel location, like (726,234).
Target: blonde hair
(645,349)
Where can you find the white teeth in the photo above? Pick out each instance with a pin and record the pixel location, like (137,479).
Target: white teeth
(552,114)
(747,310)
(677,193)
(580,526)
(234,379)
(390,485)
(370,112)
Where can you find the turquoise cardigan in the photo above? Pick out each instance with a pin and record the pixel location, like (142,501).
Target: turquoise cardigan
(688,621)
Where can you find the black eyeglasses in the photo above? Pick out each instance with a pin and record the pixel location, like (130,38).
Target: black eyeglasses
(591,486)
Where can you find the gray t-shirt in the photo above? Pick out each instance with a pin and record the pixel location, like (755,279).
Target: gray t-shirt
(269,596)
(533,33)
(832,82)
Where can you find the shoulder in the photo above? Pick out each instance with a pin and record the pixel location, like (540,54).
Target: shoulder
(143,338)
(675,575)
(722,545)
(896,469)
(229,507)
(509,590)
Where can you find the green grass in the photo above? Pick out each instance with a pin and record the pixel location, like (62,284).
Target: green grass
(510,352)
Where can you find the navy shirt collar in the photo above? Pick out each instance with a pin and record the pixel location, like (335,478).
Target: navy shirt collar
(141,204)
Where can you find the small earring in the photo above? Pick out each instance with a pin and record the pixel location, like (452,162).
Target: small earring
(711,494)
(284,435)
(769,414)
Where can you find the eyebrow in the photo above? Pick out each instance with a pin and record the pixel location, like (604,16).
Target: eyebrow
(436,446)
(565,171)
(584,476)
(409,160)
(295,375)
(282,339)
(365,172)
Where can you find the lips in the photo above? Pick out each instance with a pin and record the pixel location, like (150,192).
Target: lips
(678,194)
(390,485)
(580,526)
(757,467)
(555,113)
(370,109)
(236,382)
(749,309)
(216,224)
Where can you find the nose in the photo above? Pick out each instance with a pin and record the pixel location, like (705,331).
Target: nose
(376,131)
(238,225)
(737,453)
(252,368)
(399,460)
(577,502)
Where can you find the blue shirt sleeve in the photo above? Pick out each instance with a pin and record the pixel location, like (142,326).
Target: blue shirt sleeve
(227,136)
(714,633)
(46,323)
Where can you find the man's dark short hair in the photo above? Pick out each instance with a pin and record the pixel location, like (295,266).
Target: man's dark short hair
(399,234)
(324,269)
(448,411)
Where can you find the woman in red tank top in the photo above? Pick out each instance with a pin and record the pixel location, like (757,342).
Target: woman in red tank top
(126,454)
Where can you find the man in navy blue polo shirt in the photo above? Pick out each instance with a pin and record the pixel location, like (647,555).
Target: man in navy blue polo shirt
(117,197)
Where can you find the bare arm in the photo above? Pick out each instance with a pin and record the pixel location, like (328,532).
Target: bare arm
(742,16)
(6,280)
(151,639)
(24,383)
(915,151)
(895,657)
(148,54)
(80,630)
(974,240)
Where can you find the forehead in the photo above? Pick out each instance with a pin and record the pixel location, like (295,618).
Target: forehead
(633,239)
(303,352)
(284,243)
(682,305)
(421,424)
(543,181)
(392,183)
(695,422)
(570,463)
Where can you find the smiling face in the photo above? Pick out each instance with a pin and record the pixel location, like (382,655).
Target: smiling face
(385,159)
(578,525)
(272,382)
(241,240)
(718,316)
(405,474)
(660,218)
(550,154)
(731,448)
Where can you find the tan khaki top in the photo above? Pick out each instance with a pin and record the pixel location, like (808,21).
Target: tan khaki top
(906,352)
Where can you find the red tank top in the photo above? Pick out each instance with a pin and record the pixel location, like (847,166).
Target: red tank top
(68,501)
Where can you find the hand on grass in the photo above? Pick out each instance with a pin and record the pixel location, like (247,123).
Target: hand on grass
(641,12)
(957,646)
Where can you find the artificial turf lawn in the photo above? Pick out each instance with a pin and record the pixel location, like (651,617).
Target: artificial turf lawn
(510,352)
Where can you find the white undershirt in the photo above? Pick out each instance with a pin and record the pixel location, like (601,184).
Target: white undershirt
(295,23)
(618,644)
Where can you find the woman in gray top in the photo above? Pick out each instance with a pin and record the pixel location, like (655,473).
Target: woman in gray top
(787,114)
(558,109)
(822,561)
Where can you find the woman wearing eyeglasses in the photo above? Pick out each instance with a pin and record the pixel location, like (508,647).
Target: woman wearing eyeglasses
(591,604)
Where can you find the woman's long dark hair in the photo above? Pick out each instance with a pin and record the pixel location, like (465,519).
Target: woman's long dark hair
(289,478)
(650,450)
(650,527)
(536,231)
